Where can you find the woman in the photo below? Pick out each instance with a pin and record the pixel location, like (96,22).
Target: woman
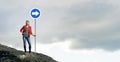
(26,31)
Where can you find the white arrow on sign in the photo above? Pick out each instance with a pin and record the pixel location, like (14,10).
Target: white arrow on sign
(35,13)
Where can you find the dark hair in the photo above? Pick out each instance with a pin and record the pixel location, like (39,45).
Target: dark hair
(27,21)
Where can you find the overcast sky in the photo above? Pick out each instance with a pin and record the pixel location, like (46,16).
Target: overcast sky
(86,29)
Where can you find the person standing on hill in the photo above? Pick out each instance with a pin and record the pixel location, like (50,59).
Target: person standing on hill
(26,31)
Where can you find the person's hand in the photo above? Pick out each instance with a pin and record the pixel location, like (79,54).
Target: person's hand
(34,35)
(21,31)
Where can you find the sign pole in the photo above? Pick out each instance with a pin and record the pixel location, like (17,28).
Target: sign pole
(35,13)
(35,34)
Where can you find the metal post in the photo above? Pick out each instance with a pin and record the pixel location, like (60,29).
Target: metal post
(35,34)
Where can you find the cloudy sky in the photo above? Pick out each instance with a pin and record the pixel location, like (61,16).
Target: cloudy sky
(67,30)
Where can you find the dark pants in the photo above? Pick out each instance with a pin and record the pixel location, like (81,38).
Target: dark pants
(24,43)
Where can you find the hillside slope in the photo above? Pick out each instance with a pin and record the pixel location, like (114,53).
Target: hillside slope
(8,54)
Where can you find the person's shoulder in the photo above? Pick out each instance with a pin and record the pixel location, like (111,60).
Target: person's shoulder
(30,26)
(24,25)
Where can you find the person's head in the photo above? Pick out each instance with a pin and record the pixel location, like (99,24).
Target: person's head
(27,22)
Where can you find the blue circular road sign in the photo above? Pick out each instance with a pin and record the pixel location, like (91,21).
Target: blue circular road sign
(35,13)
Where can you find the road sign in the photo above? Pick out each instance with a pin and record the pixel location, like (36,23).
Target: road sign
(35,13)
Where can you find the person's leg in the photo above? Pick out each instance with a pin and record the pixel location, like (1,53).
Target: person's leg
(29,43)
(24,43)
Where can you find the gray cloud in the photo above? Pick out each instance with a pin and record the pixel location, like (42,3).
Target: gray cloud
(99,31)
(92,25)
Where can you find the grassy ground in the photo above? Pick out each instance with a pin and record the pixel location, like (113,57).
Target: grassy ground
(8,54)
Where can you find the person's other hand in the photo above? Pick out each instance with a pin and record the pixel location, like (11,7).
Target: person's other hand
(34,35)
